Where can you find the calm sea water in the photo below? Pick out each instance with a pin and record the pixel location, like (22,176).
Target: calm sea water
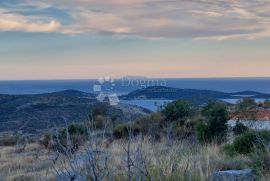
(125,86)
(153,105)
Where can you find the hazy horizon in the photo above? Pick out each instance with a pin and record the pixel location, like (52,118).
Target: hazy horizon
(142,77)
(128,85)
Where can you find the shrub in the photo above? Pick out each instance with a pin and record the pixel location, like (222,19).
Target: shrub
(191,124)
(201,131)
(9,140)
(267,103)
(239,129)
(182,132)
(178,111)
(213,127)
(249,142)
(77,136)
(122,131)
(260,161)
(77,129)
(99,122)
(229,149)
(75,141)
(150,125)
(45,140)
(100,108)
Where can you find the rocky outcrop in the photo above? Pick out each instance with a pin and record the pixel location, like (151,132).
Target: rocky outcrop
(233,175)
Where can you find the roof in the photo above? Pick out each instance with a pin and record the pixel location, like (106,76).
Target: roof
(253,114)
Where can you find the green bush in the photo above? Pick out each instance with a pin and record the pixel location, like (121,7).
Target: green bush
(77,129)
(201,131)
(213,125)
(123,130)
(260,161)
(249,142)
(120,131)
(229,149)
(178,111)
(239,129)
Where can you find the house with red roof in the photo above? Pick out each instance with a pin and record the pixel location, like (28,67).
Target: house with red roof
(255,118)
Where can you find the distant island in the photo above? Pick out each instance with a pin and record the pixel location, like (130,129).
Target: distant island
(195,96)
(41,111)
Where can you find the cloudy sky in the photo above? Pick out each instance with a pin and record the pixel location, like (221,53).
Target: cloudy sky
(74,39)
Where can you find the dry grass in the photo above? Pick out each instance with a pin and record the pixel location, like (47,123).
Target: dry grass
(178,161)
(20,166)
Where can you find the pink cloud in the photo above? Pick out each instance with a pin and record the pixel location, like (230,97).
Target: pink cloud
(202,19)
(15,22)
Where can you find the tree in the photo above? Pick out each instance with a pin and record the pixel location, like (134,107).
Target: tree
(214,127)
(239,128)
(177,111)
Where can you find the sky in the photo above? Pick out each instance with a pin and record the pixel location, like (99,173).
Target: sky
(85,39)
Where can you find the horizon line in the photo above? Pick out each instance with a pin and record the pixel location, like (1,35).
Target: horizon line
(145,77)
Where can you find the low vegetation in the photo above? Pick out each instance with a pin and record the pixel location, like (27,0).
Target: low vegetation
(9,140)
(180,142)
(249,142)
(240,129)
(212,127)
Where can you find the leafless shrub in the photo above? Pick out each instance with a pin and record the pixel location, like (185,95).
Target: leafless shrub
(91,164)
(136,161)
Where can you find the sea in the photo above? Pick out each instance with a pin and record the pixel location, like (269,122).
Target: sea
(128,84)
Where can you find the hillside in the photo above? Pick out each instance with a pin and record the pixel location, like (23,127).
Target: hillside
(32,113)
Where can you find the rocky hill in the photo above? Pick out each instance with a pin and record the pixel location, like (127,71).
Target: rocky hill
(32,113)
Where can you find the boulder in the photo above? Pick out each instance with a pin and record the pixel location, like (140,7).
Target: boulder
(233,175)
